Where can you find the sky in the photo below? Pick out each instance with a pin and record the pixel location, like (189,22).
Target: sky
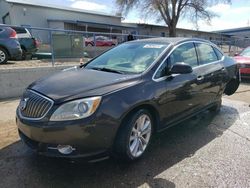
(232,15)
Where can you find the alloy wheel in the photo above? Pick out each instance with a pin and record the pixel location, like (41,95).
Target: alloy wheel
(2,56)
(140,135)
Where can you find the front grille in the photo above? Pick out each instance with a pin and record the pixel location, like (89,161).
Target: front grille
(34,105)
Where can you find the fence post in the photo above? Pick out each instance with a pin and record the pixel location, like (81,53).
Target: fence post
(52,49)
(94,37)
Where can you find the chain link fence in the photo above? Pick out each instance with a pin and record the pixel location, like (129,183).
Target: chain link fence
(58,47)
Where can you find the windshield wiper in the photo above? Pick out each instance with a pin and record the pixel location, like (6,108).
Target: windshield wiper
(106,70)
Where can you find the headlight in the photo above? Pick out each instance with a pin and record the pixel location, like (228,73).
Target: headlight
(77,109)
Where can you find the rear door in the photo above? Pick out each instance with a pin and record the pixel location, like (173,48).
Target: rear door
(209,72)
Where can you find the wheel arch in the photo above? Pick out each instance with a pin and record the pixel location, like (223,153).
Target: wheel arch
(149,107)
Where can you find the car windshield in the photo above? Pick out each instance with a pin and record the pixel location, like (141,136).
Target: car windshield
(132,58)
(245,52)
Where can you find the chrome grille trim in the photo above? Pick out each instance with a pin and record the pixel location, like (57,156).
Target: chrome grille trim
(38,107)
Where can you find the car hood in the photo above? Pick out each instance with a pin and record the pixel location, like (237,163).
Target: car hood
(80,83)
(242,59)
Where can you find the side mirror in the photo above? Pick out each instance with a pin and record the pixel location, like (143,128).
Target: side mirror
(181,68)
(236,54)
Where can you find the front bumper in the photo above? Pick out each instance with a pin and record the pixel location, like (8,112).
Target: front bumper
(91,141)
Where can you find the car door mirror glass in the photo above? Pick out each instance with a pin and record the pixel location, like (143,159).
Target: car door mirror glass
(181,68)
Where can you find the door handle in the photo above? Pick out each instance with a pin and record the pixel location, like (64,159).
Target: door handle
(199,78)
(223,69)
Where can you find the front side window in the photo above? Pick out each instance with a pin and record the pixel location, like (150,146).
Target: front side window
(206,53)
(185,53)
(133,58)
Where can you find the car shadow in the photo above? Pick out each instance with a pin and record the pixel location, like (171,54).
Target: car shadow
(22,168)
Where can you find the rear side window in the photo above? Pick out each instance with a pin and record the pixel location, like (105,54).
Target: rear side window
(185,53)
(19,30)
(218,53)
(206,53)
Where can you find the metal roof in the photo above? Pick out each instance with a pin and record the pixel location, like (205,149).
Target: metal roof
(94,23)
(66,8)
(234,30)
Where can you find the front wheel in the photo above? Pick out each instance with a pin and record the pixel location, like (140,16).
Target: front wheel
(134,136)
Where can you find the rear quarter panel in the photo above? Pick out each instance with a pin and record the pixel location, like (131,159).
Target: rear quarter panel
(231,68)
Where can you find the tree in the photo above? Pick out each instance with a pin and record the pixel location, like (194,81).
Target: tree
(171,10)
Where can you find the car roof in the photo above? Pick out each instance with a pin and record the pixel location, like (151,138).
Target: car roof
(172,40)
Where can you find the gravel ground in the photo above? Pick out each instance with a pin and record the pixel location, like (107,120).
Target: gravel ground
(207,151)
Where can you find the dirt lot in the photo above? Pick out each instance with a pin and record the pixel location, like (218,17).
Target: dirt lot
(206,151)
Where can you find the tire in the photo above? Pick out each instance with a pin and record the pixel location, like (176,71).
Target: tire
(4,56)
(216,108)
(232,87)
(131,141)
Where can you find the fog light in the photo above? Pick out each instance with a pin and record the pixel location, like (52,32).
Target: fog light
(65,149)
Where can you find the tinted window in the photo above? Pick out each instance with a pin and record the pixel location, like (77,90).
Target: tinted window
(206,53)
(163,70)
(185,53)
(19,30)
(218,53)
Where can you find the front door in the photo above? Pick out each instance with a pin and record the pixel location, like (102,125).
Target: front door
(182,92)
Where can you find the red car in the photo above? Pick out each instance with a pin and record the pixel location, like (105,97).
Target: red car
(100,41)
(243,59)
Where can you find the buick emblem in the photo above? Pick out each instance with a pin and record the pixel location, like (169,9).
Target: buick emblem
(23,103)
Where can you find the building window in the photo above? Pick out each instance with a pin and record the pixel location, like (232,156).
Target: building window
(163,34)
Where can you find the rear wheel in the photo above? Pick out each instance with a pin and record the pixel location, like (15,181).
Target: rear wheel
(3,56)
(134,136)
(232,86)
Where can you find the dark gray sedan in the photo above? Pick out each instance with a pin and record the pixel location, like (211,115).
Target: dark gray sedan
(115,103)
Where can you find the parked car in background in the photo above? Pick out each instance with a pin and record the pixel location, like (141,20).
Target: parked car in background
(243,59)
(28,43)
(100,41)
(115,103)
(10,48)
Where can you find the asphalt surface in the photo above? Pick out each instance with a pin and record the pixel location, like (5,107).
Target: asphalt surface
(210,150)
